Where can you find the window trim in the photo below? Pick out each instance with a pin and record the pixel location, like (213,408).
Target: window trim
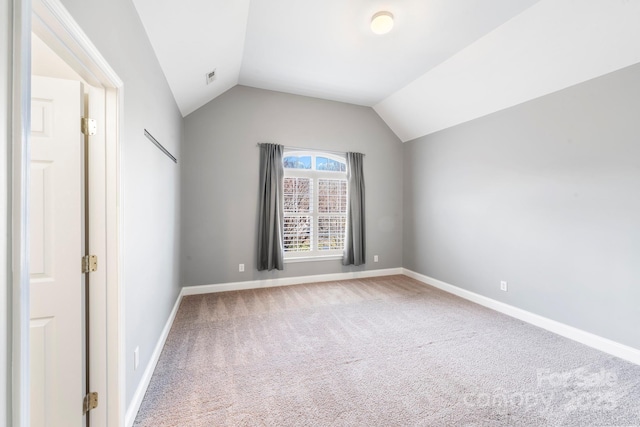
(315,175)
(312,258)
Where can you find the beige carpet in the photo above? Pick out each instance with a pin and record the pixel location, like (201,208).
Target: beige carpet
(385,351)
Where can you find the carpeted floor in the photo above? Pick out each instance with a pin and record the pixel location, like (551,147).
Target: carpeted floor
(385,351)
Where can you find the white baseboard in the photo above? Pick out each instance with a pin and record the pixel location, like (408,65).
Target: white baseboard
(136,401)
(286,281)
(603,344)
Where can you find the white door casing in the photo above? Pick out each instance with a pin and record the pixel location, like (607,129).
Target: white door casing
(56,249)
(68,40)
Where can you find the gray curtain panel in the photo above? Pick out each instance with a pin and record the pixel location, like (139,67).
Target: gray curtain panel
(355,239)
(270,220)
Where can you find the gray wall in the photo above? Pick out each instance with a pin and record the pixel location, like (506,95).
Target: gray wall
(544,195)
(150,180)
(220,179)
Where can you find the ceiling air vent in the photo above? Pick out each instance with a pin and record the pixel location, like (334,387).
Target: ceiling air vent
(211,76)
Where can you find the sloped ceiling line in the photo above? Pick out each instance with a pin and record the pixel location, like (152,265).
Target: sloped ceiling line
(443,64)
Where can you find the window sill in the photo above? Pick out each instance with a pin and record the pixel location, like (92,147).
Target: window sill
(313,258)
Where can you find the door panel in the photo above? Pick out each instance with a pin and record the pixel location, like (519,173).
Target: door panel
(42,367)
(41,243)
(56,223)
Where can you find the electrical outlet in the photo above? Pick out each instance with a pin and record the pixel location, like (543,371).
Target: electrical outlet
(241,268)
(375,258)
(136,358)
(503,286)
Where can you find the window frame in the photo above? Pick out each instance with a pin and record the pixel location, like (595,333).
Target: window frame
(315,175)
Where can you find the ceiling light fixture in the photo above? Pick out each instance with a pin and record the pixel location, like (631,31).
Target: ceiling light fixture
(382,22)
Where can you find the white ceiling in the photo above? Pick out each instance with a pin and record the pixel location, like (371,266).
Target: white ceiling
(326,49)
(553,45)
(191,38)
(445,61)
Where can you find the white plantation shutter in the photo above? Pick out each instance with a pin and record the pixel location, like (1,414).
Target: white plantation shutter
(298,224)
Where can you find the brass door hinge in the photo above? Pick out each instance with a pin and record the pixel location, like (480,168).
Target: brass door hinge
(89,263)
(88,126)
(89,402)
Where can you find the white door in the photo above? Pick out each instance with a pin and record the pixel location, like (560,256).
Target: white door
(56,248)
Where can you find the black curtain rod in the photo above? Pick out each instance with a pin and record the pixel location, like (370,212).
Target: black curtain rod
(342,153)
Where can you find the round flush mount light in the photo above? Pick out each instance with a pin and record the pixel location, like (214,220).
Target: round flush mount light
(382,22)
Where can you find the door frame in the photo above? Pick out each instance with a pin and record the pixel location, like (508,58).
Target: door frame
(73,46)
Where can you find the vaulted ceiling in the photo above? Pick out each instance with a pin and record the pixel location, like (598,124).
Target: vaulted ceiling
(445,61)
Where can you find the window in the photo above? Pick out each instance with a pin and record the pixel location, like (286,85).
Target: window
(315,204)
